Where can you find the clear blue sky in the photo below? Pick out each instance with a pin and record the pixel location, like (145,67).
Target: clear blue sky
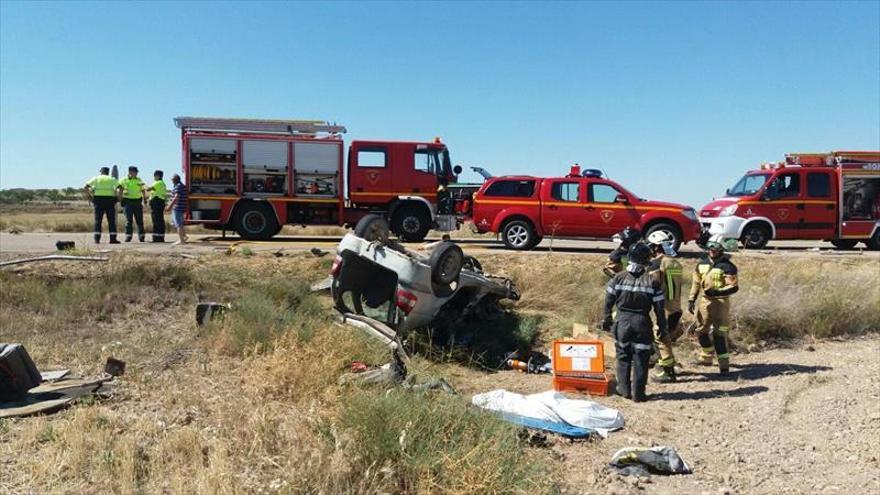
(675,100)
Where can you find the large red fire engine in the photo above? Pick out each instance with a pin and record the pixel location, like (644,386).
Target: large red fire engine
(824,196)
(254,176)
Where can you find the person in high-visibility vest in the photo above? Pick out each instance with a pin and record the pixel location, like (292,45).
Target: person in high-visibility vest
(133,199)
(667,270)
(716,276)
(101,190)
(618,260)
(158,196)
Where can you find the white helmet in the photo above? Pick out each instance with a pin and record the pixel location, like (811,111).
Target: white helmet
(664,240)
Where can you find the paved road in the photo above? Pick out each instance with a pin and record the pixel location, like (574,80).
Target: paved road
(45,242)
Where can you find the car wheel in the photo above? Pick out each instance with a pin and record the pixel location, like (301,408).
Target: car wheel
(446,261)
(755,236)
(843,243)
(669,229)
(519,235)
(256,223)
(874,242)
(411,223)
(372,228)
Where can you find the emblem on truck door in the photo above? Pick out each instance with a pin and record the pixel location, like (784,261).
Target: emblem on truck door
(606,215)
(783,213)
(373,177)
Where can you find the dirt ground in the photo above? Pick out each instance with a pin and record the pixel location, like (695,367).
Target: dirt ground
(804,419)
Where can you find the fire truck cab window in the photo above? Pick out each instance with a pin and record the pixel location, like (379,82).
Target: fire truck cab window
(784,186)
(514,188)
(819,185)
(371,157)
(566,191)
(602,193)
(428,160)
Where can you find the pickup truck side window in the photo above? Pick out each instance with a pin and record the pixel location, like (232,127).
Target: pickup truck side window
(515,188)
(785,186)
(566,191)
(818,185)
(602,193)
(372,157)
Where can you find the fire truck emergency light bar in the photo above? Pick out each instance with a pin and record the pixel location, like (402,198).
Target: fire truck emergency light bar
(258,125)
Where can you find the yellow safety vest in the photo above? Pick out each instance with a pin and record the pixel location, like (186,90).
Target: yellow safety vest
(160,190)
(103,185)
(132,188)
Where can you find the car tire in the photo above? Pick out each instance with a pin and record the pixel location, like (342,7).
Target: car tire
(519,235)
(670,229)
(256,222)
(844,243)
(372,228)
(411,223)
(874,242)
(755,236)
(446,262)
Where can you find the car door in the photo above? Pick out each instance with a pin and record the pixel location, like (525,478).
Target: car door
(610,209)
(563,207)
(781,201)
(819,207)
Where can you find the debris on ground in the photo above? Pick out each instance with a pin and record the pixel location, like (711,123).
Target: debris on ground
(554,407)
(18,373)
(318,252)
(207,311)
(322,285)
(65,245)
(642,462)
(54,257)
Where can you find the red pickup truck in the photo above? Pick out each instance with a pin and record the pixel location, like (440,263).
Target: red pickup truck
(525,209)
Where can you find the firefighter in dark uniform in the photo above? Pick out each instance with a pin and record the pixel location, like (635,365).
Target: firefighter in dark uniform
(617,260)
(101,190)
(635,292)
(716,277)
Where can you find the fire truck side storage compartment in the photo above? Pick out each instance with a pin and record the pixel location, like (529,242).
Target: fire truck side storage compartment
(205,209)
(265,168)
(213,166)
(316,169)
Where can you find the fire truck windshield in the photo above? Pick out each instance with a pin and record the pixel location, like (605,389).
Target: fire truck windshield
(748,185)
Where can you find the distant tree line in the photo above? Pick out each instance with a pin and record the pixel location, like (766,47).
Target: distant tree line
(22,196)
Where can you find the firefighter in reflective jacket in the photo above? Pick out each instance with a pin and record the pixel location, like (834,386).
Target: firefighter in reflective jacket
(667,270)
(716,277)
(617,260)
(634,291)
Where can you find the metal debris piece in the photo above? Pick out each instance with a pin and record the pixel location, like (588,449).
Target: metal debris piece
(54,257)
(206,311)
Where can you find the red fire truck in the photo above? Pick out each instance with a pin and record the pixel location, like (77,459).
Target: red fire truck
(823,196)
(524,209)
(254,176)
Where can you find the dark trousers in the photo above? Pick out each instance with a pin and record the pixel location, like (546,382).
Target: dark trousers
(105,205)
(157,213)
(634,338)
(133,208)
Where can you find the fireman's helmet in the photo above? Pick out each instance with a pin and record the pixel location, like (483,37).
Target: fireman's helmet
(720,243)
(664,240)
(640,253)
(629,235)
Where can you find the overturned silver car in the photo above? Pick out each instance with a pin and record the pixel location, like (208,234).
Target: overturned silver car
(437,286)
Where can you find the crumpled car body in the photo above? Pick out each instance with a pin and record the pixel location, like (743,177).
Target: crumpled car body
(397,285)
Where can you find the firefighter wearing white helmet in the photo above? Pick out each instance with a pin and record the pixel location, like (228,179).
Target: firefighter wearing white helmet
(668,272)
(716,277)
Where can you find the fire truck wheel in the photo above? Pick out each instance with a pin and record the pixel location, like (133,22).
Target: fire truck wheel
(843,243)
(446,262)
(519,235)
(372,228)
(411,223)
(256,223)
(874,242)
(755,236)
(670,229)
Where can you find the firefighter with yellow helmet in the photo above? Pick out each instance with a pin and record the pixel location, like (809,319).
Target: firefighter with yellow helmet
(716,277)
(667,270)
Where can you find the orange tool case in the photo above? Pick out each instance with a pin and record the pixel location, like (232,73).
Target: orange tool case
(579,366)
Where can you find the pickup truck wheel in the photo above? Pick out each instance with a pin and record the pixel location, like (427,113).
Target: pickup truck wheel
(669,229)
(843,243)
(519,235)
(446,262)
(256,223)
(372,228)
(874,242)
(411,223)
(755,236)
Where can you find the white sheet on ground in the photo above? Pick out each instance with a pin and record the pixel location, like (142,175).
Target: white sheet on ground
(553,406)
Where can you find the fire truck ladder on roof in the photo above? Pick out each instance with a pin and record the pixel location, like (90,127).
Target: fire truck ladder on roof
(258,125)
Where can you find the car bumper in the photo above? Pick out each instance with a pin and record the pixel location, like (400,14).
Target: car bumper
(729,227)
